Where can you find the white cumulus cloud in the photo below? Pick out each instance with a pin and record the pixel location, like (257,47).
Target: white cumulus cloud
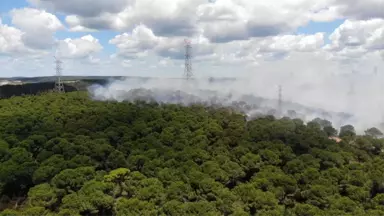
(79,47)
(38,26)
(354,38)
(220,21)
(228,36)
(357,9)
(10,40)
(86,8)
(142,40)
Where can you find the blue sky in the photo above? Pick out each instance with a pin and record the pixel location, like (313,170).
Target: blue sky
(148,37)
(314,27)
(105,35)
(7,5)
(327,27)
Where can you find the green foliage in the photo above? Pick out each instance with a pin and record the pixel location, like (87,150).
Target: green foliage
(374,132)
(69,155)
(347,130)
(135,207)
(42,195)
(73,179)
(91,198)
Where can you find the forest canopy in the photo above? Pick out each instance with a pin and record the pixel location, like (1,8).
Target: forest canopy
(64,154)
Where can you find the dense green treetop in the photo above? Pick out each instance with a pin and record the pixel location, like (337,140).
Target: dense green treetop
(64,154)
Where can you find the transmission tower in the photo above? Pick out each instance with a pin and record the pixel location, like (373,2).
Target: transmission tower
(280,101)
(59,86)
(188,60)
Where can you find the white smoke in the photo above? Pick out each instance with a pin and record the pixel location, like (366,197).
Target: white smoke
(349,98)
(4,82)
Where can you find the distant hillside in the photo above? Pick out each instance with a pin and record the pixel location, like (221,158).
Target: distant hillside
(97,79)
(7,91)
(64,78)
(17,86)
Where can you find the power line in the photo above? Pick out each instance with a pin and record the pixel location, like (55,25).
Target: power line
(188,74)
(59,86)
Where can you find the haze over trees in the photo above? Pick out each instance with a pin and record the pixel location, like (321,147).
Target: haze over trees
(68,155)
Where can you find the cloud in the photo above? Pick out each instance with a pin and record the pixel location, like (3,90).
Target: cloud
(165,18)
(219,21)
(357,9)
(79,48)
(270,48)
(12,44)
(142,40)
(35,38)
(228,20)
(174,48)
(10,40)
(292,43)
(238,32)
(38,27)
(85,8)
(355,38)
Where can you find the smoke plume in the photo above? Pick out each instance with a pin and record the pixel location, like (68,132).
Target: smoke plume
(342,99)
